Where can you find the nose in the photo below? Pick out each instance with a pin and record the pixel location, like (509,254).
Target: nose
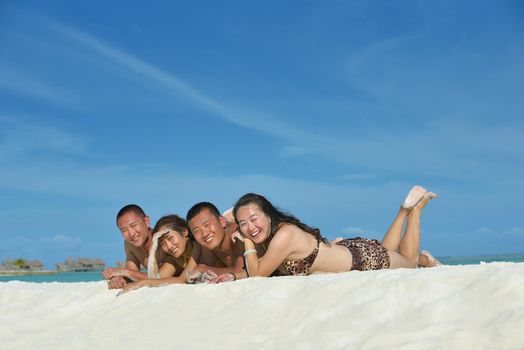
(168,245)
(250,226)
(131,233)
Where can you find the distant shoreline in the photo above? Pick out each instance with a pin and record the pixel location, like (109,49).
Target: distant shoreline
(27,273)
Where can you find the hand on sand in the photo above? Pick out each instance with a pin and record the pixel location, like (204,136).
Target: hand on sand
(225,277)
(196,276)
(131,286)
(117,282)
(113,272)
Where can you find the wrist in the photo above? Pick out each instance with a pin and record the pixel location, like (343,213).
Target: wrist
(248,244)
(250,251)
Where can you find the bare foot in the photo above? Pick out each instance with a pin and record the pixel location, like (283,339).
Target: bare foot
(425,259)
(414,196)
(423,201)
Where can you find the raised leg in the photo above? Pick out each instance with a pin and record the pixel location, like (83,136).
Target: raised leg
(393,236)
(410,242)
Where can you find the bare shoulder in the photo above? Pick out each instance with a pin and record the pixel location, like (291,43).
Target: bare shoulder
(289,229)
(286,233)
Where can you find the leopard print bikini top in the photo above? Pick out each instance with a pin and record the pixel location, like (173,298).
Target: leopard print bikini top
(301,267)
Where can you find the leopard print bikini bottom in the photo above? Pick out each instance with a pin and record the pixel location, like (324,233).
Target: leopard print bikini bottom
(367,254)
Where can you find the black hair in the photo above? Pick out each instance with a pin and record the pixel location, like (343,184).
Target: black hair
(277,216)
(199,207)
(130,208)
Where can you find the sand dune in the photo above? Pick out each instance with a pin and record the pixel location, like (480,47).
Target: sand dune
(450,307)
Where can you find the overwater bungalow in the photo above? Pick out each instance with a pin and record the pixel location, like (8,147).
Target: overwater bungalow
(21,265)
(80,265)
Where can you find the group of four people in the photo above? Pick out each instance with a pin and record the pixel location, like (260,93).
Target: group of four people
(256,239)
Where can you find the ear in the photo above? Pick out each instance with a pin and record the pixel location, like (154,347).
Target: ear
(185,233)
(223,221)
(147,221)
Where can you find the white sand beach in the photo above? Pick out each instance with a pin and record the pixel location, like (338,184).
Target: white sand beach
(449,307)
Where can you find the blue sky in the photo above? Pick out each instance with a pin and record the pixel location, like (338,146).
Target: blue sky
(332,109)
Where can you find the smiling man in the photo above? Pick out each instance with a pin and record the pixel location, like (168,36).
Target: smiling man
(134,226)
(213,232)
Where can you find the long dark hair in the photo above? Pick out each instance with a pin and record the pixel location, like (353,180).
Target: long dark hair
(277,216)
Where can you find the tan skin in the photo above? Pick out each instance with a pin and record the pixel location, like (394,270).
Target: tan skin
(175,244)
(291,243)
(135,230)
(205,224)
(214,234)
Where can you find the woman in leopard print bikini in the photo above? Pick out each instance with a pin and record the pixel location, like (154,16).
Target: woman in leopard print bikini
(294,248)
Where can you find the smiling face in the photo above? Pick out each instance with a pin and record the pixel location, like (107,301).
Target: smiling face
(253,222)
(208,229)
(173,243)
(134,228)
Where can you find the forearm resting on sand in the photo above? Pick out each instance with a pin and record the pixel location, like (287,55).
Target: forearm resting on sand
(124,272)
(231,276)
(148,282)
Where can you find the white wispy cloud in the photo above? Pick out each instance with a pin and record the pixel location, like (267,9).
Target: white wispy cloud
(435,148)
(138,66)
(360,176)
(171,84)
(16,81)
(22,136)
(63,240)
(512,232)
(293,151)
(360,232)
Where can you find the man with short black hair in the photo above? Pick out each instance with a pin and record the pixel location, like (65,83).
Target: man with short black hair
(134,225)
(213,232)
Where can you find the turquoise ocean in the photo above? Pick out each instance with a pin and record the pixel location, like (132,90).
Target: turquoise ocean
(97,276)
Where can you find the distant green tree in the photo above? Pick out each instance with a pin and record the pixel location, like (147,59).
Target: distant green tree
(19,262)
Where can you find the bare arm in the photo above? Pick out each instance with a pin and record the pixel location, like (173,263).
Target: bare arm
(191,264)
(279,249)
(230,276)
(131,271)
(167,270)
(221,270)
